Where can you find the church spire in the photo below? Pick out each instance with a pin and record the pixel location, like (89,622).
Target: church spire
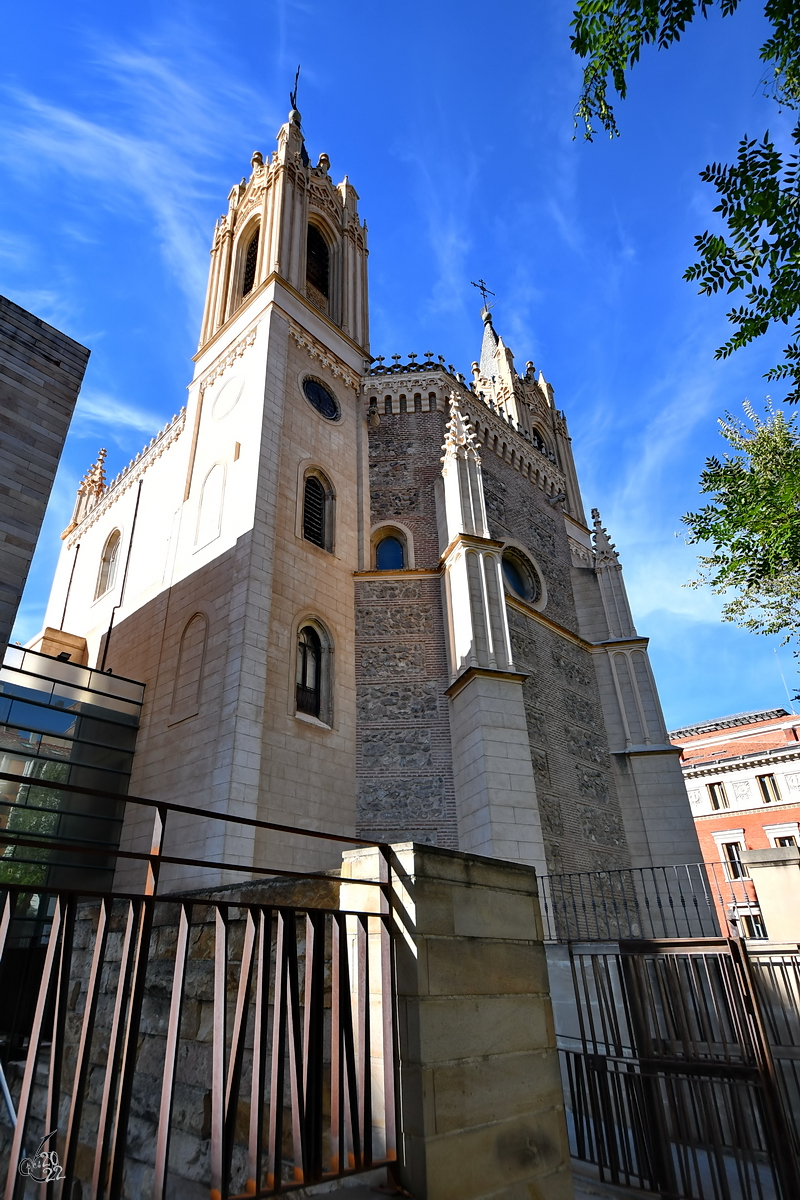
(488,346)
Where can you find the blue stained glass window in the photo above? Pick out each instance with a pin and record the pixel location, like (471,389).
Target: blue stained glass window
(389,555)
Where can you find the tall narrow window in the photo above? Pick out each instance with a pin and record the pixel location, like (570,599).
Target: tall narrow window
(317,262)
(717,795)
(251,258)
(314,511)
(733,862)
(209,515)
(309,672)
(107,575)
(189,672)
(769,789)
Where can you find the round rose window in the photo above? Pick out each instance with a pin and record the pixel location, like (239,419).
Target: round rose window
(323,401)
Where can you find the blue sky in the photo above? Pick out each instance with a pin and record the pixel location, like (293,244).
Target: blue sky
(123,128)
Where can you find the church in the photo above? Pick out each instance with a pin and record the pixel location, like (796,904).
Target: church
(362,593)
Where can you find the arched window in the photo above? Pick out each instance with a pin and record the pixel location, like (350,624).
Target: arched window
(250,260)
(309,672)
(107,575)
(317,262)
(318,511)
(209,515)
(390,554)
(189,672)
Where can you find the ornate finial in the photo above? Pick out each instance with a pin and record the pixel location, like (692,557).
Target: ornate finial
(257,160)
(460,434)
(324,163)
(94,481)
(429,354)
(604,549)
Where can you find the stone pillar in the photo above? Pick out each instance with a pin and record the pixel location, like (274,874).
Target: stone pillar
(494,781)
(776,878)
(480,1103)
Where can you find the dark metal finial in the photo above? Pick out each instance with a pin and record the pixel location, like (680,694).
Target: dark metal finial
(293,94)
(483,289)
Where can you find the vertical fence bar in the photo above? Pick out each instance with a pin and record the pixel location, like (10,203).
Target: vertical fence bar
(105,1129)
(258,1083)
(237,1047)
(313,1037)
(85,1043)
(58,1028)
(141,947)
(156,849)
(218,1051)
(295,1046)
(171,1054)
(23,1108)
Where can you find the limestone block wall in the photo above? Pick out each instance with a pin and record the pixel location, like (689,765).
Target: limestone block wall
(482,1110)
(41,371)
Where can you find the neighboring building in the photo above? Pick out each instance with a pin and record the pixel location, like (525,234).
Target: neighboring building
(63,724)
(743,778)
(41,371)
(365,596)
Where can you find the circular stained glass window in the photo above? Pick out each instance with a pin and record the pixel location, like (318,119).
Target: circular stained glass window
(521,578)
(323,401)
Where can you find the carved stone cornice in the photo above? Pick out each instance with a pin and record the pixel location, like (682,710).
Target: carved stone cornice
(581,555)
(132,474)
(220,365)
(316,350)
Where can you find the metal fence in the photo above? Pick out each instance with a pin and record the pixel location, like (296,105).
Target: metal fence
(234,1043)
(669,1074)
(691,900)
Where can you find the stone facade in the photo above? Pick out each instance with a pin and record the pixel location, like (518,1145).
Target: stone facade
(41,371)
(479,684)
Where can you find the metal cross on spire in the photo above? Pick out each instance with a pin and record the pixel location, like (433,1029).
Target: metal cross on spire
(483,289)
(293,94)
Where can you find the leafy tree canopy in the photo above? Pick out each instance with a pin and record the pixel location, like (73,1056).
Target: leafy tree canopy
(753,521)
(759,194)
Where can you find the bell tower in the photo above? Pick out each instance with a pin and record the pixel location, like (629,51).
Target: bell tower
(238,529)
(290,221)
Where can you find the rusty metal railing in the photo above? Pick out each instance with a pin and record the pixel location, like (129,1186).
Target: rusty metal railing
(245,1047)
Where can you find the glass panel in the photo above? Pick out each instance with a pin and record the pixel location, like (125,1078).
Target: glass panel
(45,720)
(104,733)
(514,577)
(22,740)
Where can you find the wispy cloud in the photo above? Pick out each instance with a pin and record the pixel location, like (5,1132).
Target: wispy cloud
(152,151)
(98,412)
